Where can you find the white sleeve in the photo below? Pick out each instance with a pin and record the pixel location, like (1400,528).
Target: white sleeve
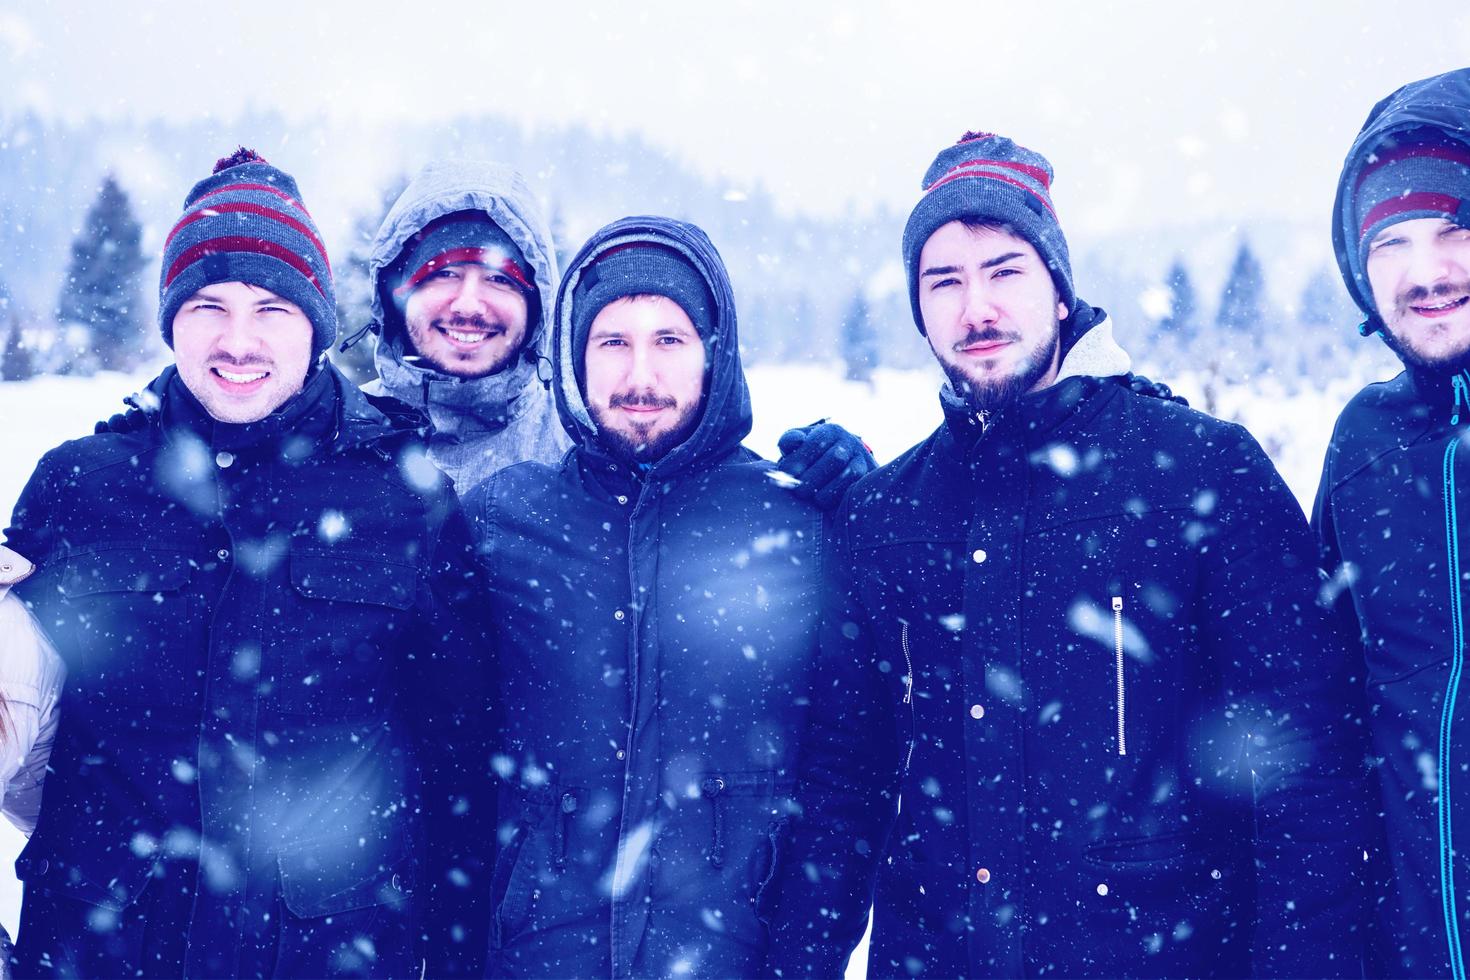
(31,676)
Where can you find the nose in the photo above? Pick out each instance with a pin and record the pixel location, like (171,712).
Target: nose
(238,338)
(980,310)
(641,372)
(1431,263)
(469,299)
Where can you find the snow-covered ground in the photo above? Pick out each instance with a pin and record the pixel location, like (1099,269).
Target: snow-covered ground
(895,411)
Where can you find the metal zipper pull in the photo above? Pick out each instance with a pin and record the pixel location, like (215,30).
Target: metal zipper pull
(1458,383)
(908,663)
(1122,693)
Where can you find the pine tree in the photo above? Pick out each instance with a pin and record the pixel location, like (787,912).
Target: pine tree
(16,364)
(1324,302)
(1243,300)
(354,292)
(100,308)
(1183,307)
(859,345)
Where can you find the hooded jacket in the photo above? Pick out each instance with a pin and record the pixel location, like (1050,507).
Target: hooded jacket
(1387,519)
(479,425)
(1062,642)
(656,632)
(271,649)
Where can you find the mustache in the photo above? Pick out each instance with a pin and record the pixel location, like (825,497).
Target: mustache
(989,335)
(647,399)
(1416,295)
(475,322)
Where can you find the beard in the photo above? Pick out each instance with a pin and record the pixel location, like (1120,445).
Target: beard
(1400,344)
(989,392)
(641,444)
(451,360)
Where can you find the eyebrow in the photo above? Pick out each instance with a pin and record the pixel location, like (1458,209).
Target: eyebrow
(948,270)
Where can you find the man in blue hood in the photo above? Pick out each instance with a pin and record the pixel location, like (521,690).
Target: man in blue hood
(1079,714)
(657,595)
(1387,508)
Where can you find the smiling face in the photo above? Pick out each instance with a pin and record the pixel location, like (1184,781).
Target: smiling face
(991,313)
(467,319)
(243,351)
(1420,274)
(645,376)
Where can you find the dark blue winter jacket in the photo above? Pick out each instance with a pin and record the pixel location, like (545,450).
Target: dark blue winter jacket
(1064,646)
(1388,522)
(656,630)
(269,650)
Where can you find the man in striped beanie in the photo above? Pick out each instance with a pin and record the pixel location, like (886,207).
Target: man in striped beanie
(1075,632)
(245,238)
(1388,505)
(262,592)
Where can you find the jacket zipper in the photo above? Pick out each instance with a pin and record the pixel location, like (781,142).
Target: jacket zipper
(1122,689)
(1448,886)
(908,695)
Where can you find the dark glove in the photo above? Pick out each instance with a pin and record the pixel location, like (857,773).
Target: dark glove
(130,421)
(825,459)
(1154,389)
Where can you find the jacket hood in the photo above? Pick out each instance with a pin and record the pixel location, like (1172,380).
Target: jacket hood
(1441,102)
(726,417)
(440,188)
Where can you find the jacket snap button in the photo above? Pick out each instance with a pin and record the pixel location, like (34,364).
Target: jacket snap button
(396,886)
(713,786)
(979,556)
(622,498)
(223,554)
(223,459)
(568,803)
(622,755)
(983,875)
(977,711)
(1102,889)
(618,615)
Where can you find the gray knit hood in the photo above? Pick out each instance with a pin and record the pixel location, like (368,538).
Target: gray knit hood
(480,424)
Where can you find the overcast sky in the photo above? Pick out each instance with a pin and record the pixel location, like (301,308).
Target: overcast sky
(1159,113)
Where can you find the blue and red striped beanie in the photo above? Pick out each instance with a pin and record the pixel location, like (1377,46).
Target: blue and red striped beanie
(246,223)
(989,178)
(1418,173)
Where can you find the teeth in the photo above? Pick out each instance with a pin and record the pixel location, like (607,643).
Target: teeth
(466,338)
(240,379)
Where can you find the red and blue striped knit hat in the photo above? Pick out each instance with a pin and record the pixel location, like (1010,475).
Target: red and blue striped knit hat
(989,178)
(246,223)
(1418,173)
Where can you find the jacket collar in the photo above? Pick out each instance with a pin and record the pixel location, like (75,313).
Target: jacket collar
(459,409)
(1094,355)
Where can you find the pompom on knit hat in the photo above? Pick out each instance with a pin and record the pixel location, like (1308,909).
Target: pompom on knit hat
(989,178)
(1418,173)
(246,223)
(638,269)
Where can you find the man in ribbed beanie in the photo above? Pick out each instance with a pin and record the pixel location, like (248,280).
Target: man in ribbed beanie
(246,223)
(984,177)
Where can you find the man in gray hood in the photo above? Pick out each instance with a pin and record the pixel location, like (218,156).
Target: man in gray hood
(461,271)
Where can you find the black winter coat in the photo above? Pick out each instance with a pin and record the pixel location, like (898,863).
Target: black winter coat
(265,632)
(655,632)
(1387,517)
(1066,642)
(1388,522)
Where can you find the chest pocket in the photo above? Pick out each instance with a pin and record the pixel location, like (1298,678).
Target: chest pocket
(335,648)
(124,624)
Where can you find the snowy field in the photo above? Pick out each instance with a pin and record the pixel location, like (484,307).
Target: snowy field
(897,410)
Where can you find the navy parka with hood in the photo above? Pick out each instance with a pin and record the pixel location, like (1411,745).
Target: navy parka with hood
(1062,644)
(1388,521)
(656,631)
(270,640)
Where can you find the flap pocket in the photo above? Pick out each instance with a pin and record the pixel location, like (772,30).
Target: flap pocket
(111,888)
(334,876)
(124,570)
(353,578)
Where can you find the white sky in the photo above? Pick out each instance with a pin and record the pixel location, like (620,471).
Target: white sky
(1152,113)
